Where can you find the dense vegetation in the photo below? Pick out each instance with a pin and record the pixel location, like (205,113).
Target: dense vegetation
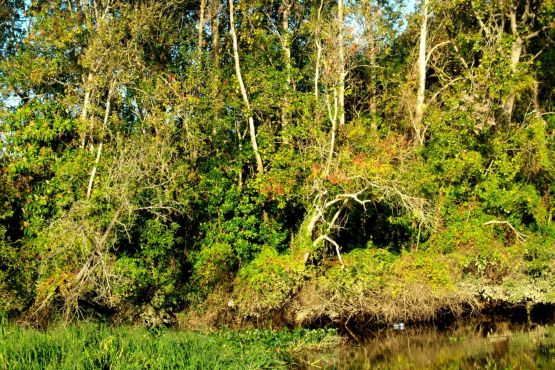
(286,162)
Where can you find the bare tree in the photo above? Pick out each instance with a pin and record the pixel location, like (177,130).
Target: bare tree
(526,21)
(84,243)
(328,208)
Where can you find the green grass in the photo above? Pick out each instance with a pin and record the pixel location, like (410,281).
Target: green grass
(93,346)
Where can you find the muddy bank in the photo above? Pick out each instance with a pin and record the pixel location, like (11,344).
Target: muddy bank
(363,316)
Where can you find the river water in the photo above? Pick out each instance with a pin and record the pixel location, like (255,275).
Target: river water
(479,345)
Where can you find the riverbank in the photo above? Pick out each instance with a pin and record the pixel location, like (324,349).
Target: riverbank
(462,345)
(95,346)
(376,287)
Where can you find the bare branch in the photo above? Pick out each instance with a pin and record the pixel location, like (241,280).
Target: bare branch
(519,236)
(434,48)
(327,238)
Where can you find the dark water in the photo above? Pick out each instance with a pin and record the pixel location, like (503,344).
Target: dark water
(467,346)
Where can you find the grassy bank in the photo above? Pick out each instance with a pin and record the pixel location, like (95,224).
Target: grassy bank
(92,346)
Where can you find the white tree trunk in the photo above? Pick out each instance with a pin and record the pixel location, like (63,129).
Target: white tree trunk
(419,108)
(99,152)
(332,114)
(86,103)
(318,43)
(252,129)
(286,46)
(341,87)
(516,52)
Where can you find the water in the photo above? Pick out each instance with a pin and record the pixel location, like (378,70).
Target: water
(470,346)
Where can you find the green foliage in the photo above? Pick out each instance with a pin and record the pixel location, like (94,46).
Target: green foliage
(90,346)
(151,275)
(438,273)
(214,265)
(129,182)
(367,270)
(17,277)
(268,283)
(539,256)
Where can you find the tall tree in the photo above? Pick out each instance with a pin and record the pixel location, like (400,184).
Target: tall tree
(244,94)
(422,60)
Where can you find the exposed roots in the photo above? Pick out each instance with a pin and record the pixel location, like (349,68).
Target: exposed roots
(415,303)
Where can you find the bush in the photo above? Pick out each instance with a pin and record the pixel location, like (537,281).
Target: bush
(268,283)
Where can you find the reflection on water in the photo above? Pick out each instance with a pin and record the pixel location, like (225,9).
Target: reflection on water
(480,346)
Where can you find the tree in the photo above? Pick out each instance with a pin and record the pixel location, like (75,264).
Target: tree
(152,162)
(252,128)
(422,60)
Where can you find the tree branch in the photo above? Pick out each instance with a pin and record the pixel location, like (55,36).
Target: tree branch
(519,236)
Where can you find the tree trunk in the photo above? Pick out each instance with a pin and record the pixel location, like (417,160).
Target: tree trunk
(516,52)
(216,75)
(285,44)
(201,26)
(215,28)
(419,108)
(333,119)
(515,58)
(252,129)
(372,75)
(99,153)
(318,43)
(341,87)
(86,103)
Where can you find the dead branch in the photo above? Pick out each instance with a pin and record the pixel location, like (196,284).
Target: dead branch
(519,236)
(327,238)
